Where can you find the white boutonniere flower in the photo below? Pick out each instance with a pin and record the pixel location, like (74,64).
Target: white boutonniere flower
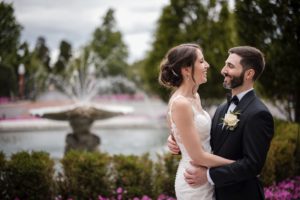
(230,121)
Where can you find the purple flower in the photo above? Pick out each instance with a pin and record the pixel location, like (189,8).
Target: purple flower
(288,189)
(119,197)
(145,197)
(101,198)
(119,190)
(161,197)
(59,197)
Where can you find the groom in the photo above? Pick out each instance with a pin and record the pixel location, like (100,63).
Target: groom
(244,135)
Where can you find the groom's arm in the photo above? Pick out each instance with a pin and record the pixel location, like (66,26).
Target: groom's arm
(258,133)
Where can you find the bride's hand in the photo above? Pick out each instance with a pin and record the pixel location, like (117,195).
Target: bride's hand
(172,145)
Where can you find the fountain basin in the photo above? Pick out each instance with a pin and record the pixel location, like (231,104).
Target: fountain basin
(89,110)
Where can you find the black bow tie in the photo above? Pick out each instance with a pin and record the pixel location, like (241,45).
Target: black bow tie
(234,100)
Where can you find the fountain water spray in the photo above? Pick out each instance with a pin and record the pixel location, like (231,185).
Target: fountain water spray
(79,82)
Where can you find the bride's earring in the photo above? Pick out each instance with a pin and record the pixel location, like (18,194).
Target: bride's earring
(187,77)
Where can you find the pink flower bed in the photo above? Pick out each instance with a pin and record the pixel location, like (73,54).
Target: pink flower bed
(4,100)
(119,196)
(288,189)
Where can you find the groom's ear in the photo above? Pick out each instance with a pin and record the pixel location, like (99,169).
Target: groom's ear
(249,74)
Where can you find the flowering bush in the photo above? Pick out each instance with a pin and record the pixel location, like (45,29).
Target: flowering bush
(288,189)
(119,196)
(88,175)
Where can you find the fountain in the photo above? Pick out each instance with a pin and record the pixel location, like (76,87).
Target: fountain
(81,88)
(81,117)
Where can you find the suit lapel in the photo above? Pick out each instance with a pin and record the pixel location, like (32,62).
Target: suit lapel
(219,125)
(246,100)
(222,134)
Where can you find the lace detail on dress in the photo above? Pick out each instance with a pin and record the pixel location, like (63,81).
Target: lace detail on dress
(172,124)
(203,124)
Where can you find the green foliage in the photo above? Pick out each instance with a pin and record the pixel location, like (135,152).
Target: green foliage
(187,21)
(42,53)
(2,160)
(109,50)
(135,74)
(7,81)
(219,36)
(273,27)
(281,161)
(36,76)
(65,54)
(85,175)
(2,173)
(164,174)
(37,67)
(29,176)
(10,31)
(133,174)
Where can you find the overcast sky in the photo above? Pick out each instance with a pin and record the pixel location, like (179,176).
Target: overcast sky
(75,20)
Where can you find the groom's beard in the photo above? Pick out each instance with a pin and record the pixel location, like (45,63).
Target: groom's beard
(235,82)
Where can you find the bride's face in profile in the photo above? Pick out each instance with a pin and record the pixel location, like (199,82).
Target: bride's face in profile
(200,70)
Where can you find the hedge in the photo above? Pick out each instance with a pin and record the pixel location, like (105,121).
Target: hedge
(86,175)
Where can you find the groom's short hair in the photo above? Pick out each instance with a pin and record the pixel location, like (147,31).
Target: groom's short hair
(251,58)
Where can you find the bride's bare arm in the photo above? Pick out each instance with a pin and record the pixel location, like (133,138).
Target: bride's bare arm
(182,116)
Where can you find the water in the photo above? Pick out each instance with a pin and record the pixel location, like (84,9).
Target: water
(135,141)
(82,80)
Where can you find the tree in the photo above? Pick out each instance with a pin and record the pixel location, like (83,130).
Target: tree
(10,31)
(187,21)
(42,52)
(64,56)
(110,52)
(166,36)
(274,27)
(219,35)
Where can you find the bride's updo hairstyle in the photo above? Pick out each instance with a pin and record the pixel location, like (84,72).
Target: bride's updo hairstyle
(178,57)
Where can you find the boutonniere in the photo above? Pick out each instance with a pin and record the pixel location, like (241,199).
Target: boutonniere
(230,121)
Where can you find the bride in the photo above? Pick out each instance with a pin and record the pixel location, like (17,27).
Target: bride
(184,69)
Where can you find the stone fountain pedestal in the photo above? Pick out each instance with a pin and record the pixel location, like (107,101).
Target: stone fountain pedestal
(81,118)
(81,138)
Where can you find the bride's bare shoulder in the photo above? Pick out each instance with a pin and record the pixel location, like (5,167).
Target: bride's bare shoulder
(181,104)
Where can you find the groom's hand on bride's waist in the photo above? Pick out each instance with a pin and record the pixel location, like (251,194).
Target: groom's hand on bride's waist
(195,175)
(172,145)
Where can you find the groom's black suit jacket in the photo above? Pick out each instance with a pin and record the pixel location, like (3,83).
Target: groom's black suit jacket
(248,144)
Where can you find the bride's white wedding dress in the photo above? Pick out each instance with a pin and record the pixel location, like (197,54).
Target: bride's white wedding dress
(183,190)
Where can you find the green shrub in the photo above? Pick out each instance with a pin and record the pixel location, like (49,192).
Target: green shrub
(29,176)
(269,170)
(2,173)
(164,174)
(281,161)
(133,174)
(286,130)
(2,160)
(85,175)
